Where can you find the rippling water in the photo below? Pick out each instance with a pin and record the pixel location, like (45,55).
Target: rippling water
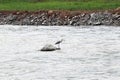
(88,53)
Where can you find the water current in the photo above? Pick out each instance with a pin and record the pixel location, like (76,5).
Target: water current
(87,53)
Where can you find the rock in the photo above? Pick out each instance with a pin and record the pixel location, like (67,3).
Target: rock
(100,18)
(106,18)
(84,19)
(96,23)
(95,19)
(116,22)
(49,47)
(116,16)
(11,17)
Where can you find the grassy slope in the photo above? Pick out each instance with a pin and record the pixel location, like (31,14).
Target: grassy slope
(58,4)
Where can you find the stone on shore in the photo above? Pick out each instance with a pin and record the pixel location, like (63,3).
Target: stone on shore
(61,18)
(49,47)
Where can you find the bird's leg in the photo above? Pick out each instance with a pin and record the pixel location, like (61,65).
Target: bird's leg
(58,45)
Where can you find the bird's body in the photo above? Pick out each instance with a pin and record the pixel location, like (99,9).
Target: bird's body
(58,42)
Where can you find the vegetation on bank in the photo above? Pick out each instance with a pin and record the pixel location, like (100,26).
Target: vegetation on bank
(58,4)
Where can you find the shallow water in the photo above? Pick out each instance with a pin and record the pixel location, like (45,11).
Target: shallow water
(88,53)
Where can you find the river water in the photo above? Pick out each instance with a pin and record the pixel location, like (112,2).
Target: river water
(87,53)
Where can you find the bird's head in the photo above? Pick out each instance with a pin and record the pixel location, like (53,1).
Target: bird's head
(62,40)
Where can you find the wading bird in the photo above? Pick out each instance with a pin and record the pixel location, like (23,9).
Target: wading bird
(58,43)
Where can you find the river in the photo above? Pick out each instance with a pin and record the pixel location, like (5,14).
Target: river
(87,53)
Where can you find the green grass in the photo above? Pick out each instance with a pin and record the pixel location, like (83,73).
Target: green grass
(33,5)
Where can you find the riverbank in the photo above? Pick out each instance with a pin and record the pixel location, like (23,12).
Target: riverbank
(61,17)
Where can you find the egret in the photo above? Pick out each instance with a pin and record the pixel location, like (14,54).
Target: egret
(58,43)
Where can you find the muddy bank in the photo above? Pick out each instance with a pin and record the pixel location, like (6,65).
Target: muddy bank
(52,17)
